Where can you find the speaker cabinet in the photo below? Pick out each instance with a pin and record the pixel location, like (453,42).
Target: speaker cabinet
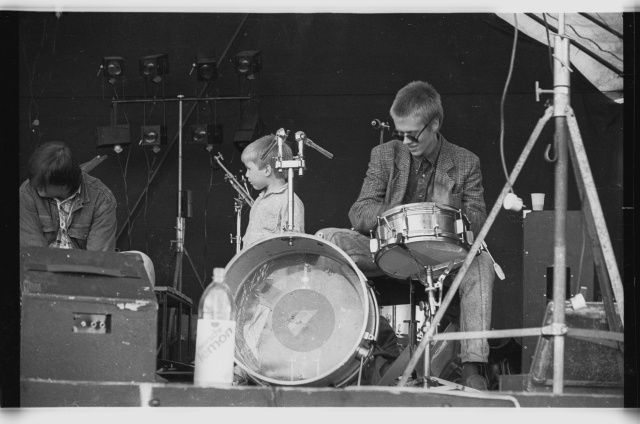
(588,363)
(87,316)
(538,258)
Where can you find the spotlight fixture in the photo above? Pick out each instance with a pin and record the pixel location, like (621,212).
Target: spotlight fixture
(111,136)
(206,134)
(249,128)
(154,66)
(153,135)
(112,66)
(248,63)
(206,69)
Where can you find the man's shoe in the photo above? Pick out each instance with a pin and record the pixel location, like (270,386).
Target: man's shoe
(477,382)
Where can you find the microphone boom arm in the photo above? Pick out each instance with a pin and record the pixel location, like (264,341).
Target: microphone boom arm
(244,194)
(303,136)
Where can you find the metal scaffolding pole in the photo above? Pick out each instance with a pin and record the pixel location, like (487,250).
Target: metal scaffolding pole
(561,103)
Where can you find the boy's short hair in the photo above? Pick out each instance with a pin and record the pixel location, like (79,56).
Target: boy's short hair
(259,149)
(418,98)
(53,164)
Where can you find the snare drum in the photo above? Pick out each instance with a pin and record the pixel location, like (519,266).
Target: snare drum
(306,315)
(415,235)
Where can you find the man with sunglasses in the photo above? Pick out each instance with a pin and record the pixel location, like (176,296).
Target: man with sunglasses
(419,165)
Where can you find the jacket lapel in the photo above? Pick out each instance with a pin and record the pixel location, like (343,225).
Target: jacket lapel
(398,186)
(443,187)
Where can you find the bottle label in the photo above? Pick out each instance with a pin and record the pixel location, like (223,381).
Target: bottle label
(215,346)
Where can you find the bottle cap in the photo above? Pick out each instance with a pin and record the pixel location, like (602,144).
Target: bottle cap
(218,274)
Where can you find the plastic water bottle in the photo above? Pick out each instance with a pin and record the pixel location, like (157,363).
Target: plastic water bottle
(216,334)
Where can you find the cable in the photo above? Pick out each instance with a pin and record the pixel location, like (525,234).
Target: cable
(594,43)
(576,287)
(34,123)
(146,198)
(206,205)
(546,26)
(126,192)
(504,94)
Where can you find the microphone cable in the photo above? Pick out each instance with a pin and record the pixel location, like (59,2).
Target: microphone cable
(504,94)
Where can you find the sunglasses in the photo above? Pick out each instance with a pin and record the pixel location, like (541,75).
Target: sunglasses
(401,135)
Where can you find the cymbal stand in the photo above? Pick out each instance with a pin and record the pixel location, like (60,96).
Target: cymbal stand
(243,197)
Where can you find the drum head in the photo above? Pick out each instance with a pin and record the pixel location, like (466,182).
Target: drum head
(303,310)
(404,262)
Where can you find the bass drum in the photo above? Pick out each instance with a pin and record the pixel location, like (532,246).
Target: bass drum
(305,313)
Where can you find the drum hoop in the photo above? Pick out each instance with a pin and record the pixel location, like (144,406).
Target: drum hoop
(361,277)
(431,236)
(418,206)
(412,207)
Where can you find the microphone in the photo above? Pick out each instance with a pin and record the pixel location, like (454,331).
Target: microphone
(377,124)
(302,136)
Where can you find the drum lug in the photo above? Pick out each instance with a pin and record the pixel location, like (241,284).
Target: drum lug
(373,246)
(363,352)
(470,237)
(368,336)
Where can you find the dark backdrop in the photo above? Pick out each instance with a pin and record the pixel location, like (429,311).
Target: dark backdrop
(328,75)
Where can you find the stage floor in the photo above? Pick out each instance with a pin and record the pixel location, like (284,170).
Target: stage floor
(58,393)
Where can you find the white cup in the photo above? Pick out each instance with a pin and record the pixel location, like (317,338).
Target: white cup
(537,201)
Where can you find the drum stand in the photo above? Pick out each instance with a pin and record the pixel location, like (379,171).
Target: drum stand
(429,308)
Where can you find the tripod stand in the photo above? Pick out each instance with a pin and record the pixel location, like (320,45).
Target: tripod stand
(606,266)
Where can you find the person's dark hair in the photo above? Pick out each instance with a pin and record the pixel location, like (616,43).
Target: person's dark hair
(53,164)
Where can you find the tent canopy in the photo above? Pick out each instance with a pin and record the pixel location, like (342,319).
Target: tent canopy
(596,44)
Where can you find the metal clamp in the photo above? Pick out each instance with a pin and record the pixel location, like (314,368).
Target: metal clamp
(554,329)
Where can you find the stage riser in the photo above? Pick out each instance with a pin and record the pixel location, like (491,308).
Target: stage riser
(40,393)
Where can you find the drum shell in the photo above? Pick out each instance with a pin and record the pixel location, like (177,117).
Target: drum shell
(435,233)
(294,249)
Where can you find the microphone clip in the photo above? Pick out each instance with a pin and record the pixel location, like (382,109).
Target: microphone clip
(379,125)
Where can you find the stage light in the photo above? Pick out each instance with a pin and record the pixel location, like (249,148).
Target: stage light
(112,66)
(153,135)
(248,130)
(206,134)
(248,63)
(154,66)
(113,136)
(206,69)
(110,135)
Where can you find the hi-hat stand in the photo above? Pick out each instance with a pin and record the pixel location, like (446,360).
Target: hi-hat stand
(606,266)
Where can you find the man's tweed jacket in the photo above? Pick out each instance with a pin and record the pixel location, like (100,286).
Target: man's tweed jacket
(458,183)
